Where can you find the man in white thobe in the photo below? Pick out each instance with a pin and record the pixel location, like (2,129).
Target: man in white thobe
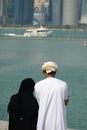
(52,96)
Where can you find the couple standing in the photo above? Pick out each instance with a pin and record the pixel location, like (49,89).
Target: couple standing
(45,111)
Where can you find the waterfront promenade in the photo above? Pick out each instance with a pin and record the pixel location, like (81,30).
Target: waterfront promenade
(4,125)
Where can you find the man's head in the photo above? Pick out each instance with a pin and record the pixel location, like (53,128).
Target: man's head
(49,68)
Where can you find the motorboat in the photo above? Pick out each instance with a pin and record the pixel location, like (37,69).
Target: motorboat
(43,32)
(35,32)
(84,43)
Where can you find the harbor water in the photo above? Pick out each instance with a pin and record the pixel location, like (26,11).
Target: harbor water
(22,58)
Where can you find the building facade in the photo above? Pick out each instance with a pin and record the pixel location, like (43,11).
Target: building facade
(3,11)
(70,12)
(56,11)
(3,8)
(24,11)
(84,12)
(41,10)
(80,9)
(64,12)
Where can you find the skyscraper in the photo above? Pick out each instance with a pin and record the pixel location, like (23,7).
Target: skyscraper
(1,5)
(64,12)
(3,9)
(56,10)
(70,12)
(80,9)
(24,11)
(84,12)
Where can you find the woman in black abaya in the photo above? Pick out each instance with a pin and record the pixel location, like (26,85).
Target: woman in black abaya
(23,107)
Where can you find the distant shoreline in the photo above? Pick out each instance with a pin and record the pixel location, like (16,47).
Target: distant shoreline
(49,27)
(19,28)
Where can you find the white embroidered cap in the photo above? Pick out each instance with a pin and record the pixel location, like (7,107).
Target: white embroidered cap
(49,67)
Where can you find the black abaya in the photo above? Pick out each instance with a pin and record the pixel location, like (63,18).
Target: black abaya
(23,108)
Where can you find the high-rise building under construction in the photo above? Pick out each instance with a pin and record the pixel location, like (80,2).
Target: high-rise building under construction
(24,11)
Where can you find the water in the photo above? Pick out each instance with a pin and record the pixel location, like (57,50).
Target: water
(21,58)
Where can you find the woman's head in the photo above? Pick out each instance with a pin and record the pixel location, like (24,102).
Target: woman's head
(27,85)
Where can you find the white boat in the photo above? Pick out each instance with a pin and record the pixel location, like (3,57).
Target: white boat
(84,43)
(43,32)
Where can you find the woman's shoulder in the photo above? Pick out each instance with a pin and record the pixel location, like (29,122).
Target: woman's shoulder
(14,99)
(14,96)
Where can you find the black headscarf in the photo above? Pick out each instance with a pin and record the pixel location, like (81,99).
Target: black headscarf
(27,85)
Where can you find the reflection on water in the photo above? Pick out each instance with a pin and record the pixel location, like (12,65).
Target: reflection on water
(23,58)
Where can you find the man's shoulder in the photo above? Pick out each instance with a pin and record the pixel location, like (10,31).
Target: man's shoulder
(50,79)
(39,82)
(60,81)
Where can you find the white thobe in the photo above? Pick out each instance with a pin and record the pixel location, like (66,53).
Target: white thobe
(50,94)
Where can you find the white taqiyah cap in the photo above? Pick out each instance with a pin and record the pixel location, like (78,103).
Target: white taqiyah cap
(49,67)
